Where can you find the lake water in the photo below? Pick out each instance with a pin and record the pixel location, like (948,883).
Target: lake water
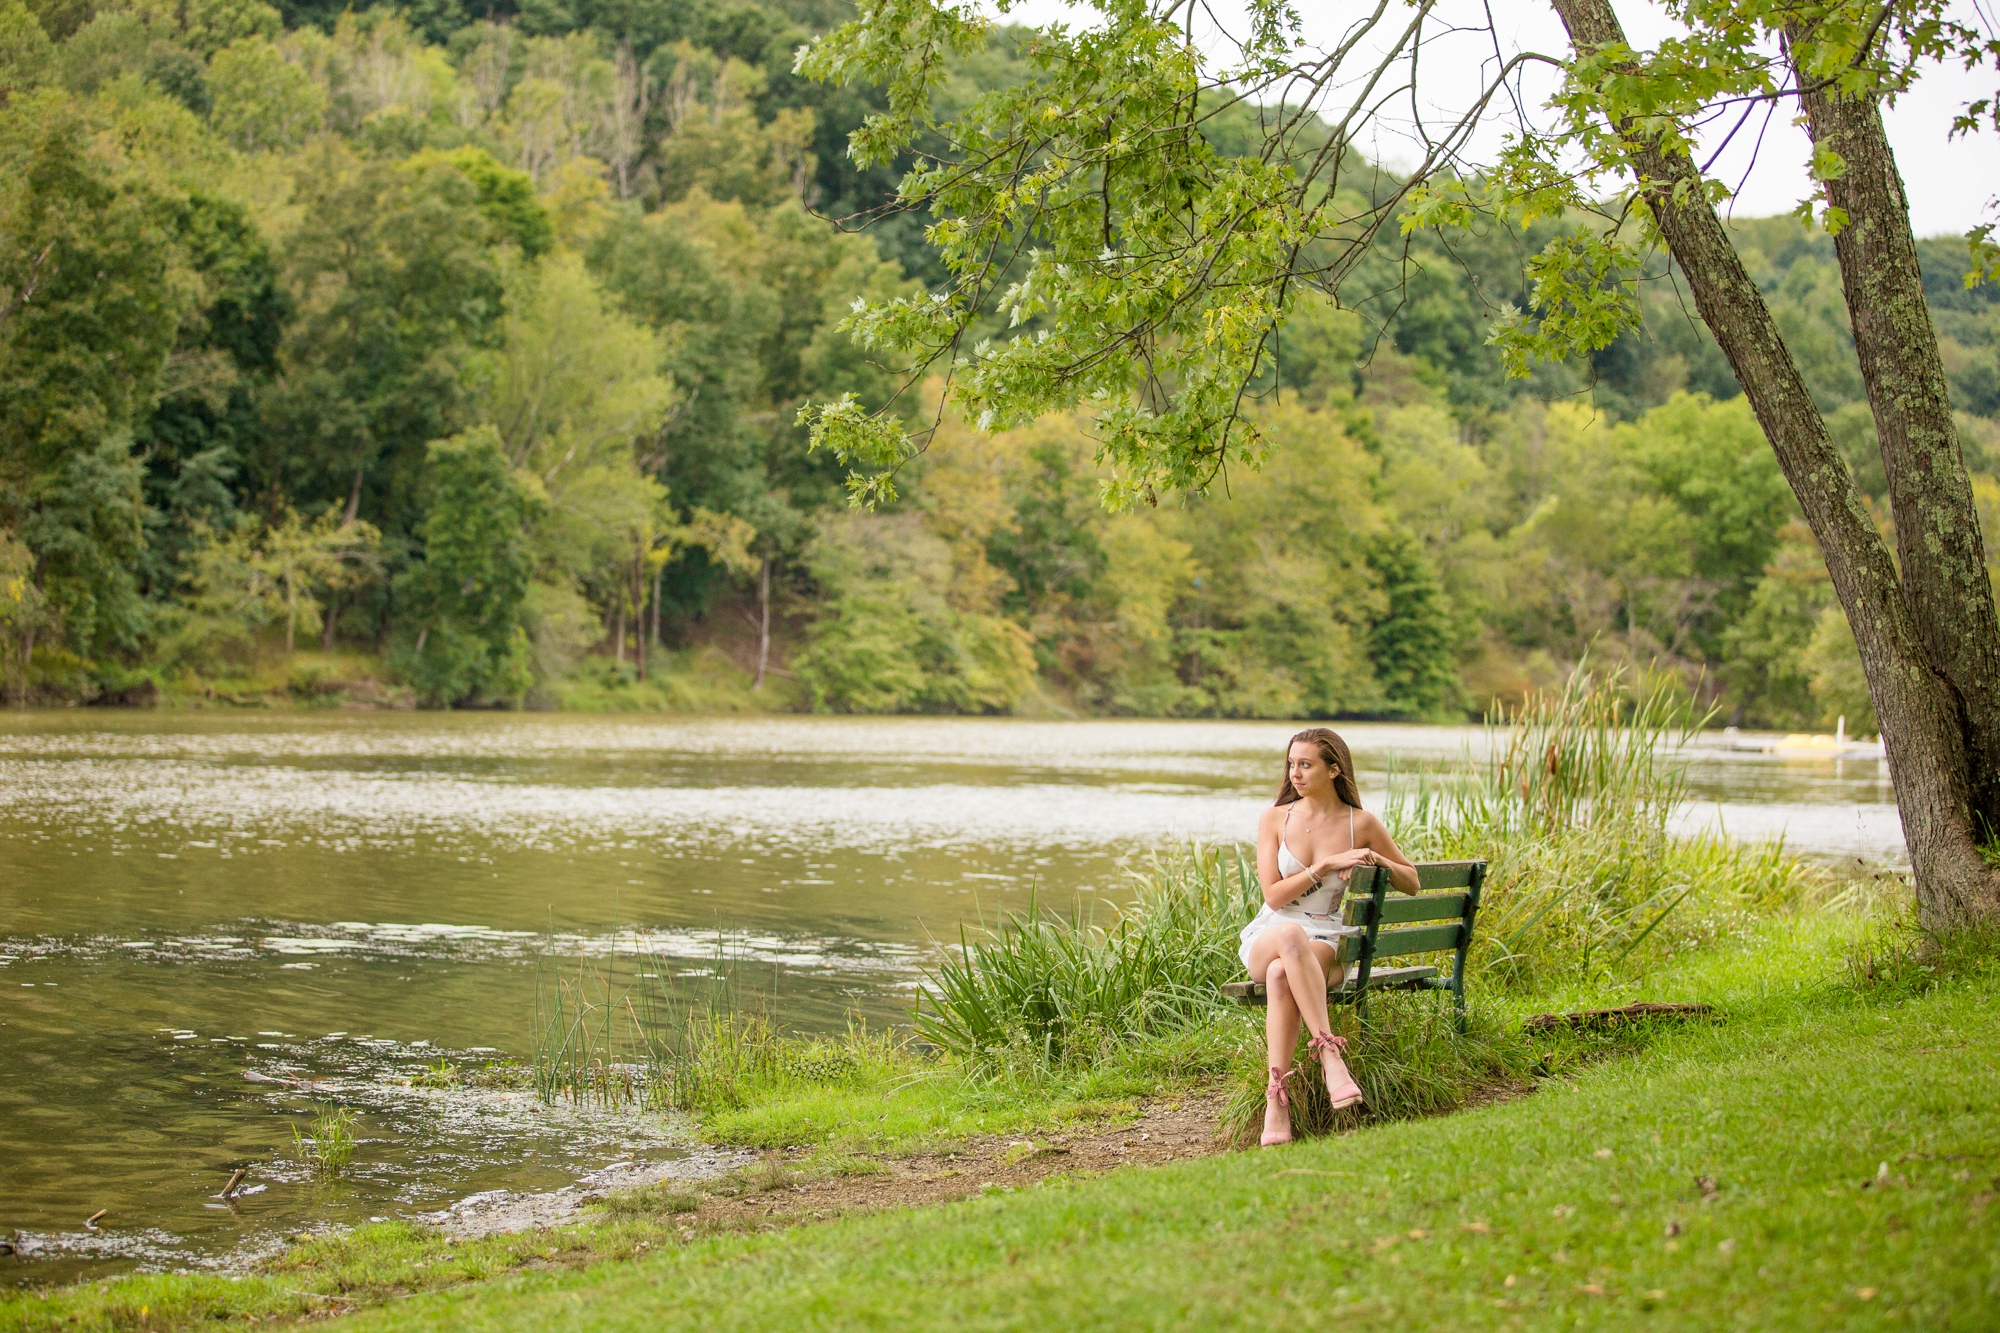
(344,898)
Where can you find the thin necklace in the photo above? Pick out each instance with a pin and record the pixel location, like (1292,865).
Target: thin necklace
(1308,825)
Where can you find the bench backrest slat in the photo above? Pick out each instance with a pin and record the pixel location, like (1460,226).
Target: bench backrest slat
(1401,909)
(1445,874)
(1412,939)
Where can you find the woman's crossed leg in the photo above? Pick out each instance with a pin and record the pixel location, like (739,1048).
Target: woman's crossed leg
(1296,970)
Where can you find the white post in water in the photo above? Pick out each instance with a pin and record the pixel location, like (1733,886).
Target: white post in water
(1840,734)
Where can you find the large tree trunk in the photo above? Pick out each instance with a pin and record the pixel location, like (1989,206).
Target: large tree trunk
(1938,542)
(1920,721)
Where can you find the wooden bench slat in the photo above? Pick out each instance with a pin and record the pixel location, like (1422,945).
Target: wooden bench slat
(1429,875)
(1446,874)
(1390,943)
(1417,939)
(1402,908)
(1383,978)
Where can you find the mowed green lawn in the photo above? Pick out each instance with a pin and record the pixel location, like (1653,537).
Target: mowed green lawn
(1583,1206)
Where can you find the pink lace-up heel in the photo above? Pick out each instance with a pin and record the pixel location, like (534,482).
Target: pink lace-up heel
(1331,1043)
(1275,1091)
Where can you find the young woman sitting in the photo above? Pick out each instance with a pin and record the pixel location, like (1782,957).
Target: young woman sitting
(1308,844)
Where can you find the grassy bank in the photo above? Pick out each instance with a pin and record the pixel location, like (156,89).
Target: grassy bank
(700,681)
(1821,1157)
(697,681)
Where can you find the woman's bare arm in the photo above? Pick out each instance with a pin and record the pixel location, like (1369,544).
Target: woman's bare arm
(1373,834)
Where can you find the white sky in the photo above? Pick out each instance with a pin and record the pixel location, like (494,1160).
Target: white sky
(1950,181)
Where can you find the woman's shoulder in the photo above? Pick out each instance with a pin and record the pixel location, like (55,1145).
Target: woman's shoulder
(1367,824)
(1270,818)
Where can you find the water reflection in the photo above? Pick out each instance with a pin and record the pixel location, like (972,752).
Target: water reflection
(337,900)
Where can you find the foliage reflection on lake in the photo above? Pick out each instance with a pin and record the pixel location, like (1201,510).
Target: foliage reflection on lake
(343,899)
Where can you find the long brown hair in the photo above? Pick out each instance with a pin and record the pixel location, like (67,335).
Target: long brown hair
(1334,751)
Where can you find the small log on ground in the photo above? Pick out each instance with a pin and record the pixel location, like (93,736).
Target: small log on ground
(1611,1018)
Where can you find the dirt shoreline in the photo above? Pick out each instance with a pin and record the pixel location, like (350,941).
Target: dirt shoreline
(504,1212)
(787,1191)
(1168,1130)
(742,1190)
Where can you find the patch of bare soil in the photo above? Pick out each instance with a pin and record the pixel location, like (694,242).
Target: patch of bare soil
(779,1192)
(503,1212)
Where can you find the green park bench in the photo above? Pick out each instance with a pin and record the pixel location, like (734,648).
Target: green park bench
(1437,918)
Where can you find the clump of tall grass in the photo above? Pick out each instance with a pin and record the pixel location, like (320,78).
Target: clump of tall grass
(596,1037)
(721,1058)
(1599,755)
(1571,807)
(625,1031)
(1056,990)
(1897,959)
(328,1146)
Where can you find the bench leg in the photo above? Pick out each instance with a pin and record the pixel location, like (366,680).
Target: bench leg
(1465,944)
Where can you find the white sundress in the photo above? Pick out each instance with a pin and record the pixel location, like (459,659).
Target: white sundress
(1317,910)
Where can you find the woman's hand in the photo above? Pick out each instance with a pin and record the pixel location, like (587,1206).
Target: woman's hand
(1342,862)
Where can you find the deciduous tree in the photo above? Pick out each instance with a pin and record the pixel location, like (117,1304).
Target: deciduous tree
(1145,271)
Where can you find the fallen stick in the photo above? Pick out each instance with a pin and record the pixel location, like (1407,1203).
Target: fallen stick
(90,1223)
(235,1180)
(1611,1018)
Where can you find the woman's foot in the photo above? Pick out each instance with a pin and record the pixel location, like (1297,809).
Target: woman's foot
(1340,1084)
(1277,1110)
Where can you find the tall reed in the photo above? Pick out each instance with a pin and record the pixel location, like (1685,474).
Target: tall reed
(1603,751)
(598,1033)
(329,1145)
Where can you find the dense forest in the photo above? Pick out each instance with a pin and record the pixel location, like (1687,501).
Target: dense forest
(416,356)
